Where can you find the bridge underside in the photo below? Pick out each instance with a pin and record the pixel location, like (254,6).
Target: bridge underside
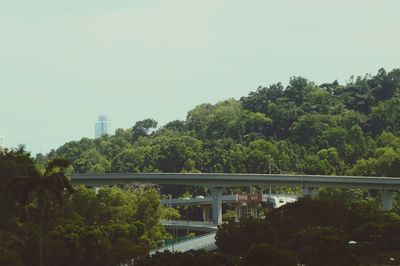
(217,181)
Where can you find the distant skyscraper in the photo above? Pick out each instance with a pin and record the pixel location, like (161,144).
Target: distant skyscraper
(102,126)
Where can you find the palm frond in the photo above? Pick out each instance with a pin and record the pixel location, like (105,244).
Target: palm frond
(56,163)
(33,185)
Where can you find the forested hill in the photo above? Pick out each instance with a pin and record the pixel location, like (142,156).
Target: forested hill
(331,128)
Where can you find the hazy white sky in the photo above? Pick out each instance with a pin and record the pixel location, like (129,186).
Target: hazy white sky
(62,63)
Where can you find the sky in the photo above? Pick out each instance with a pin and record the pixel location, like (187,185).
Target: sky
(65,62)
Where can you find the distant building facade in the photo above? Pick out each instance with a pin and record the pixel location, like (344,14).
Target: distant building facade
(102,126)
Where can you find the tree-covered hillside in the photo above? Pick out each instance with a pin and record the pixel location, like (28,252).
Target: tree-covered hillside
(331,128)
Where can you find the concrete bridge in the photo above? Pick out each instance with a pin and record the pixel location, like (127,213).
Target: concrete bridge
(198,200)
(206,242)
(216,182)
(191,225)
(275,200)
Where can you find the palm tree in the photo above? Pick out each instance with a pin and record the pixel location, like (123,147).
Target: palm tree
(35,187)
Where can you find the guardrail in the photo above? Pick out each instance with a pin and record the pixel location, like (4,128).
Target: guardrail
(193,225)
(206,242)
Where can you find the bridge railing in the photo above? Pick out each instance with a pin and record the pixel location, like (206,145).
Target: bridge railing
(206,242)
(185,223)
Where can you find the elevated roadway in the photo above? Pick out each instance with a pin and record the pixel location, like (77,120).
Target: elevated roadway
(191,225)
(216,181)
(198,201)
(274,198)
(206,242)
(223,180)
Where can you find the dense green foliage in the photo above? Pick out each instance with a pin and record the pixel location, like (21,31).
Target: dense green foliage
(301,128)
(197,258)
(40,188)
(350,129)
(42,224)
(313,232)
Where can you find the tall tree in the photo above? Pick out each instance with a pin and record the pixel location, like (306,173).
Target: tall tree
(142,128)
(39,187)
(13,163)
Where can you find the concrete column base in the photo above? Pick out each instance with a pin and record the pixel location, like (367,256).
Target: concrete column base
(387,199)
(206,213)
(308,191)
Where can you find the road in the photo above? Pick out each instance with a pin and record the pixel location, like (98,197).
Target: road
(223,180)
(206,242)
(191,225)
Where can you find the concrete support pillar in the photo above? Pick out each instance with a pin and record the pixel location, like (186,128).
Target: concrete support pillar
(308,191)
(253,211)
(216,193)
(206,213)
(387,199)
(239,211)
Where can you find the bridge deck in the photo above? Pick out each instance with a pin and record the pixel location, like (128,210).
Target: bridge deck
(221,180)
(191,225)
(197,201)
(206,242)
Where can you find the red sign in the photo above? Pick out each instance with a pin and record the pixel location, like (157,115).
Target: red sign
(249,197)
(242,197)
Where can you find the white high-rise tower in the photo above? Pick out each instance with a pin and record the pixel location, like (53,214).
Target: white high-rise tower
(102,126)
